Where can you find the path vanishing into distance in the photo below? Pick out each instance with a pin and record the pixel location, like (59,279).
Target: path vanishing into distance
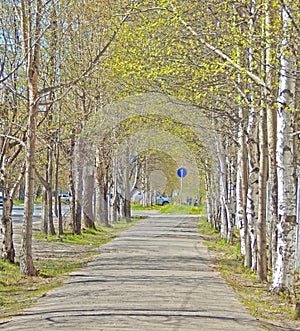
(157,276)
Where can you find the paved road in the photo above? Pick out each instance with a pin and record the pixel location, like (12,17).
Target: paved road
(155,276)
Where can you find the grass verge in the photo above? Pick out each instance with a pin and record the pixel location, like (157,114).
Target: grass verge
(274,310)
(139,207)
(182,209)
(68,253)
(173,209)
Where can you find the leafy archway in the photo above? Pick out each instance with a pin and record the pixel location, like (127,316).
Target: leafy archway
(116,143)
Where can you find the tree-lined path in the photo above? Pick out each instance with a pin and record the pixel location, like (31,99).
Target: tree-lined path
(156,276)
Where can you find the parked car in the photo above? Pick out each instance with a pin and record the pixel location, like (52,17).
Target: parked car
(64,197)
(136,196)
(162,200)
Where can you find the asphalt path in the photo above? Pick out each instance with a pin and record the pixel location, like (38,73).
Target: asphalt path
(157,276)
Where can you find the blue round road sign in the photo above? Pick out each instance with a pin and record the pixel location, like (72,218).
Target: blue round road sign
(181,172)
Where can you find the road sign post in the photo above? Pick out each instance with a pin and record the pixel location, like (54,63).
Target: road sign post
(181,173)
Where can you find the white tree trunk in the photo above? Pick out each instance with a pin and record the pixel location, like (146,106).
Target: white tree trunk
(272,136)
(146,201)
(88,194)
(283,275)
(26,260)
(226,215)
(212,199)
(242,184)
(252,192)
(8,250)
(32,54)
(113,201)
(286,241)
(262,186)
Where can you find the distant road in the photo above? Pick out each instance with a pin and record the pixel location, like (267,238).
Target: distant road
(18,212)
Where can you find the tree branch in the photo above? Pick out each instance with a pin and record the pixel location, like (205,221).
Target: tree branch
(220,53)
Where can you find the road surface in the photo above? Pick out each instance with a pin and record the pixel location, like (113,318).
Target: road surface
(156,276)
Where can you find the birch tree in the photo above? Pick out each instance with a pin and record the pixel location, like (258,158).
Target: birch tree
(216,43)
(12,128)
(34,21)
(30,16)
(283,277)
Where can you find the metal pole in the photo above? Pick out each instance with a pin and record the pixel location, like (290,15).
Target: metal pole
(180,190)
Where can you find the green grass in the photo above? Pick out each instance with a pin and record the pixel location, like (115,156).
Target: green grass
(182,209)
(95,237)
(173,209)
(18,202)
(254,294)
(17,291)
(139,207)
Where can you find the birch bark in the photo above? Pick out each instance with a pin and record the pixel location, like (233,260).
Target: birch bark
(88,193)
(253,190)
(8,250)
(262,186)
(226,215)
(283,275)
(271,137)
(31,47)
(241,189)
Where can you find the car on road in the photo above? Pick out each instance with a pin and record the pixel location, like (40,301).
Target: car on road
(136,196)
(162,200)
(64,197)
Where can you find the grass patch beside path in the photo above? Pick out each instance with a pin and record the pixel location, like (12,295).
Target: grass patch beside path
(276,312)
(139,207)
(173,209)
(182,209)
(54,258)
(95,237)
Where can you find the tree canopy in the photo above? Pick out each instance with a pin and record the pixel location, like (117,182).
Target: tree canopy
(220,78)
